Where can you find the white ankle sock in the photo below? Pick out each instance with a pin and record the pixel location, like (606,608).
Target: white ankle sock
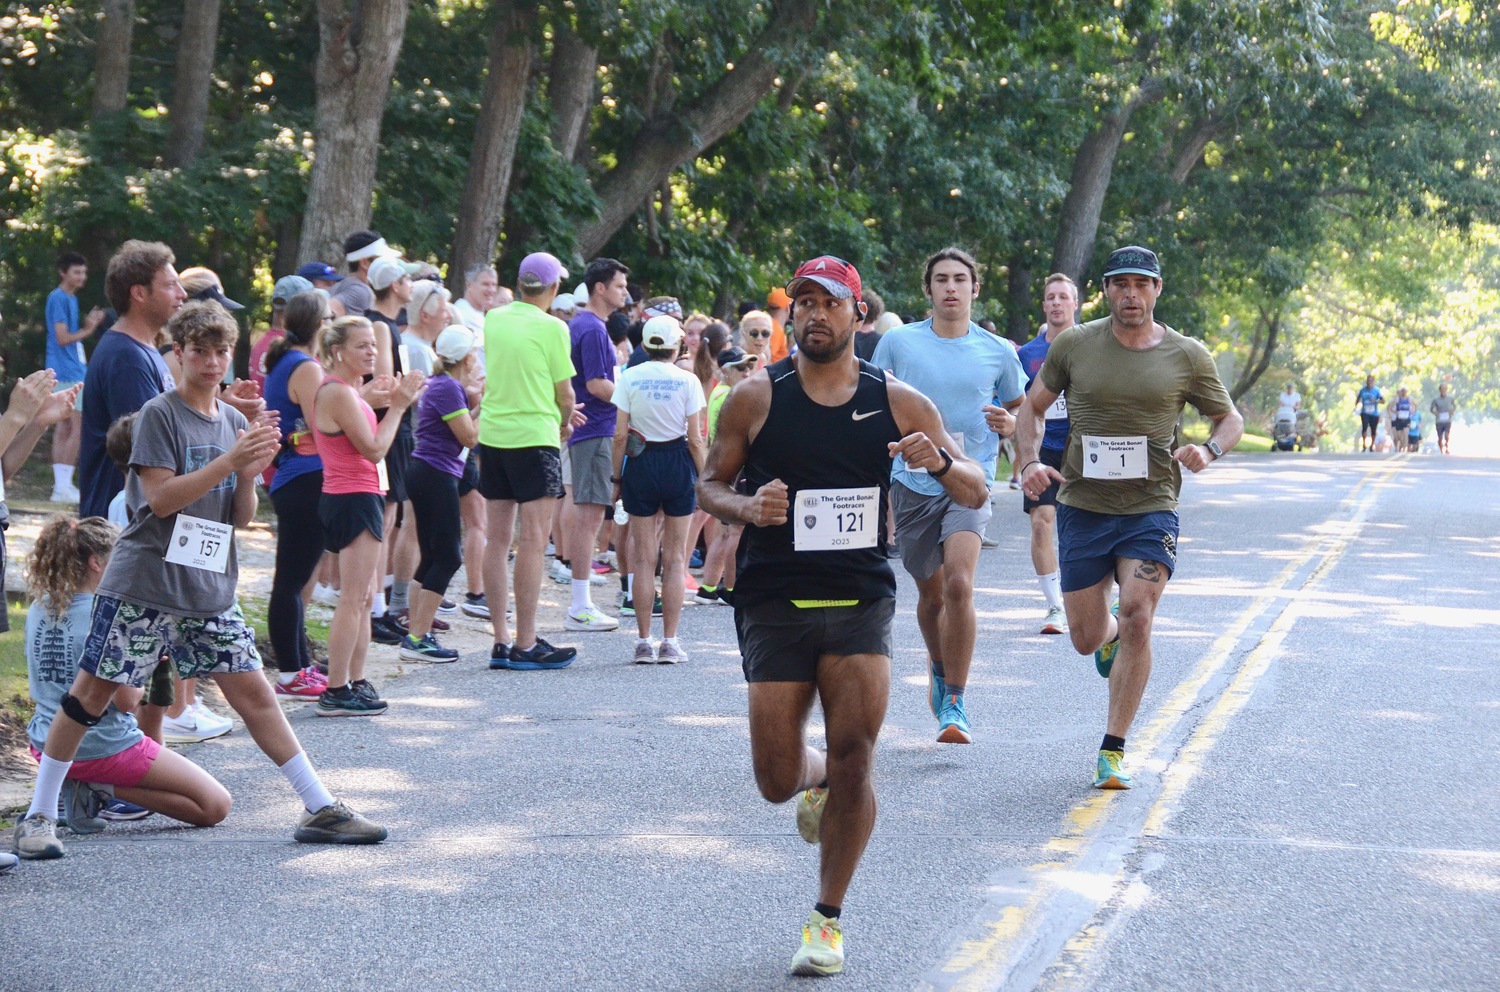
(581,600)
(299,772)
(62,475)
(49,780)
(1052,589)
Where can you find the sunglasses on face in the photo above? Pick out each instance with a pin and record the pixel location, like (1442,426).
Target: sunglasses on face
(759,334)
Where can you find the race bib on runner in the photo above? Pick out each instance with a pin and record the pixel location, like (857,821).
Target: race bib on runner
(382,477)
(1114,458)
(1059,408)
(199,543)
(1443,417)
(836,519)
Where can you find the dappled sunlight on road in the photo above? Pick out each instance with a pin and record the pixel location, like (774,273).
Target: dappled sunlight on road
(1406,715)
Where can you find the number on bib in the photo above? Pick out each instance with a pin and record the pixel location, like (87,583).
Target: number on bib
(836,519)
(1115,458)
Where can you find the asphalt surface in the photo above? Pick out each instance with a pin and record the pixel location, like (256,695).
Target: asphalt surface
(1314,804)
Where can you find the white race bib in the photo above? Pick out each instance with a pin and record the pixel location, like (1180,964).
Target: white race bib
(1059,408)
(403,356)
(199,543)
(382,477)
(1443,417)
(836,519)
(1114,458)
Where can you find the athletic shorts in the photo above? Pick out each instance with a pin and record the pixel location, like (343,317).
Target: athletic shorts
(660,479)
(1089,544)
(780,642)
(469,480)
(924,522)
(1368,422)
(593,463)
(126,640)
(520,474)
(345,516)
(1052,458)
(1442,429)
(1398,427)
(123,771)
(397,459)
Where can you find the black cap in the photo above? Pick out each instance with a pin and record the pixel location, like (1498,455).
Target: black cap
(1132,260)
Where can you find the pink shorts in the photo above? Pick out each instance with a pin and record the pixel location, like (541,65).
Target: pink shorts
(123,771)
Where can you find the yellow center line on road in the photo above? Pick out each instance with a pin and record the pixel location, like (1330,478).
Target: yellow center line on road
(1044,917)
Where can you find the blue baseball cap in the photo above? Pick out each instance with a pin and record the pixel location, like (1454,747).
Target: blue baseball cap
(319,270)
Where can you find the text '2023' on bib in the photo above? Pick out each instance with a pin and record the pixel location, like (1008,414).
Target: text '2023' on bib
(836,519)
(199,543)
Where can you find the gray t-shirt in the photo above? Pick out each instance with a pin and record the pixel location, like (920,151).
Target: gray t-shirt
(419,351)
(356,296)
(1443,407)
(53,646)
(170,434)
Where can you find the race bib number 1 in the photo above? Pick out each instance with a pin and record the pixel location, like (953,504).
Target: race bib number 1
(199,543)
(1114,458)
(836,519)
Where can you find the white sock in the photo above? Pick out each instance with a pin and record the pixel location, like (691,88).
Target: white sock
(672,641)
(1052,589)
(299,772)
(49,780)
(286,678)
(62,475)
(377,606)
(581,600)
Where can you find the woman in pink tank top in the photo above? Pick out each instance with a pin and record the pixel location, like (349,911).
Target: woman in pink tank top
(352,508)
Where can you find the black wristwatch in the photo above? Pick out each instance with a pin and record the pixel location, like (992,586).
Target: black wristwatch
(1214,449)
(948,463)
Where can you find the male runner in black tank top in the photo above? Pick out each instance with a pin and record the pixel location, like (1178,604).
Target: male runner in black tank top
(814,437)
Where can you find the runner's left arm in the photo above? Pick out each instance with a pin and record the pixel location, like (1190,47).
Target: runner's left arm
(926,444)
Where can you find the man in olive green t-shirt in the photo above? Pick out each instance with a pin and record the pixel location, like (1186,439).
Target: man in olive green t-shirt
(528,410)
(1128,378)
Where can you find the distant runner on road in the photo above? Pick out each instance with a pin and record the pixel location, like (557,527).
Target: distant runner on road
(1368,404)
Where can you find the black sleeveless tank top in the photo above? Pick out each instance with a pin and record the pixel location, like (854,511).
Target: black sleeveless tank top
(810,446)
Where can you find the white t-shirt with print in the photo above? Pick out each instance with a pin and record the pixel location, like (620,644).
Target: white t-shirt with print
(659,397)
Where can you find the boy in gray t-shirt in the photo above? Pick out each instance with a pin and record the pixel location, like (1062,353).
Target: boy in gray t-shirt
(170,584)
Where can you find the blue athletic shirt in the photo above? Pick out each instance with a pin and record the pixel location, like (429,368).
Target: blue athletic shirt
(299,454)
(961,376)
(1369,401)
(1402,409)
(122,378)
(54,644)
(66,360)
(1032,354)
(1415,427)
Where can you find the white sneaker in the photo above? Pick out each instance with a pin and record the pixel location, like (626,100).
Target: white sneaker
(670,652)
(191,728)
(64,496)
(1056,621)
(325,595)
(551,552)
(561,574)
(209,718)
(645,652)
(592,618)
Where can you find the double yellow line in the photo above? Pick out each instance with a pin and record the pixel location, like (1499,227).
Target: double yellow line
(1046,918)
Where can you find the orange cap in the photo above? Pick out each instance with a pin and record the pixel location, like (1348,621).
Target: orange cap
(778,298)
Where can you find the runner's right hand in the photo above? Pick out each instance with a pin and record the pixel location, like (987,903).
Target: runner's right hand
(769,505)
(1037,477)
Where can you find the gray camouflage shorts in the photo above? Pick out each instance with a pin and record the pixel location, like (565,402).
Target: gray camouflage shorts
(126,641)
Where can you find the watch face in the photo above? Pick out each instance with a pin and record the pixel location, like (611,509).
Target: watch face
(1213,446)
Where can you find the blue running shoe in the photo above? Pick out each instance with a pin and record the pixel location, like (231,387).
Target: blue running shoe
(1104,658)
(119,811)
(953,722)
(1107,773)
(936,689)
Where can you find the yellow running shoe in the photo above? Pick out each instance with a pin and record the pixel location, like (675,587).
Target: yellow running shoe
(1107,772)
(810,813)
(822,950)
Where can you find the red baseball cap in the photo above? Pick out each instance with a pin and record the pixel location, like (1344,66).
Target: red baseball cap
(832,273)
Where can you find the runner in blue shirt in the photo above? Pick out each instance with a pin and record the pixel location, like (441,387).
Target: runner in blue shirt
(1060,306)
(962,368)
(1368,404)
(65,337)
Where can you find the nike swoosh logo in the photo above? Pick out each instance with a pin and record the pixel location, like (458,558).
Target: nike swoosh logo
(862,416)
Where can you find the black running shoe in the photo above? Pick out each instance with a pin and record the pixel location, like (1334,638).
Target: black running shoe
(542,655)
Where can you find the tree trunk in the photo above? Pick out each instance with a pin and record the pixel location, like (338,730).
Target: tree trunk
(1092,168)
(667,140)
(359,41)
(1267,332)
(570,86)
(112,57)
(482,211)
(190,91)
(1018,305)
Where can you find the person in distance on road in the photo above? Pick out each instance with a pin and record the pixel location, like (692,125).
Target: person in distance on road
(1127,378)
(815,595)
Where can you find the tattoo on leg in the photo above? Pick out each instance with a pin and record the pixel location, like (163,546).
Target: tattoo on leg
(1148,570)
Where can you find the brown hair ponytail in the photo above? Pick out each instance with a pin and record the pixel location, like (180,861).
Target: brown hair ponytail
(58,565)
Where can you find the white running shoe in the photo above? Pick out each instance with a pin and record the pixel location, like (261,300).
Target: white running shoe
(325,595)
(191,728)
(670,652)
(561,574)
(1056,621)
(591,618)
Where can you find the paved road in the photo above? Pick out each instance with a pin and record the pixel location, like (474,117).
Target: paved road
(1315,801)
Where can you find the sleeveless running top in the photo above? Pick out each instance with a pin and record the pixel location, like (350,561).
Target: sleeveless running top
(345,470)
(810,446)
(299,453)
